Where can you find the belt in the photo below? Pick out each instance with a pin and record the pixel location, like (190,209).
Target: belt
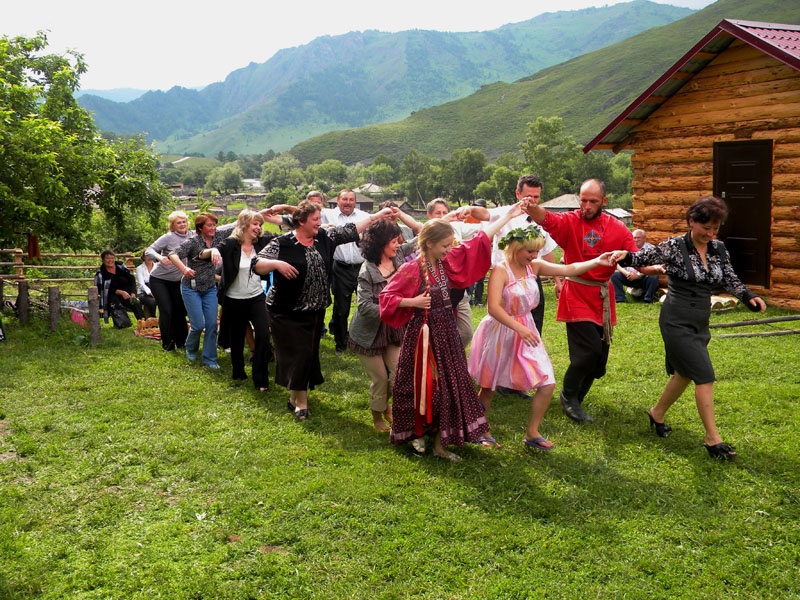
(608,329)
(347,264)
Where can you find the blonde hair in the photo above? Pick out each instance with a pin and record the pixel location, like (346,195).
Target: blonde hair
(243,221)
(530,244)
(433,232)
(174,216)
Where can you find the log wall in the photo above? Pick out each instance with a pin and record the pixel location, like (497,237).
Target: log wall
(741,95)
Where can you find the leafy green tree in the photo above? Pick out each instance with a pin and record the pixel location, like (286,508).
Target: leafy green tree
(621,177)
(285,195)
(57,169)
(330,173)
(463,172)
(380,174)
(224,179)
(412,173)
(281,171)
(505,181)
(550,154)
(487,190)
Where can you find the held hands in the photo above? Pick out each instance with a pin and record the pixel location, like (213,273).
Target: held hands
(608,259)
(617,255)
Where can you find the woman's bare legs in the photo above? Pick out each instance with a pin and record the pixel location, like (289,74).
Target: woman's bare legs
(539,405)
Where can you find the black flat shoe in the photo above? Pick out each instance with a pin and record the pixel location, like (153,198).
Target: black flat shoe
(662,429)
(722,451)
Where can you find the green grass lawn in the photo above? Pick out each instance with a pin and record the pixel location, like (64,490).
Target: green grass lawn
(127,473)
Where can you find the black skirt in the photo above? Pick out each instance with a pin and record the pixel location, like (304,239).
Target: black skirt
(684,328)
(295,339)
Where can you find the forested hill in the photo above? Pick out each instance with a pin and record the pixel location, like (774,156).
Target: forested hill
(362,78)
(587,92)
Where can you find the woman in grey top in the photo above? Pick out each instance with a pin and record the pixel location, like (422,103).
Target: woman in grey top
(376,343)
(165,282)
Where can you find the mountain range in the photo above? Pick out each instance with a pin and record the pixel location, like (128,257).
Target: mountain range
(587,92)
(364,78)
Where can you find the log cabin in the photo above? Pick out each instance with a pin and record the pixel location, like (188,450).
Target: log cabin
(724,120)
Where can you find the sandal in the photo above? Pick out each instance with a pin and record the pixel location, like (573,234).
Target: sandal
(721,451)
(301,414)
(538,443)
(662,429)
(488,441)
(290,407)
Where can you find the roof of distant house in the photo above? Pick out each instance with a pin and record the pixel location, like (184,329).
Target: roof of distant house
(564,202)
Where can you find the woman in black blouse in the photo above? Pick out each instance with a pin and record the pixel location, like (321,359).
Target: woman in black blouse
(301,263)
(696,266)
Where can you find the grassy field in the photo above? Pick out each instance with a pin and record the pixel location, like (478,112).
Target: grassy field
(127,473)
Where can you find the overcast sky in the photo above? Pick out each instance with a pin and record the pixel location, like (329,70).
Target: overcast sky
(151,44)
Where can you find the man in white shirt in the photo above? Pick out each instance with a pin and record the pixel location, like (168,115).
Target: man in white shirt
(347,261)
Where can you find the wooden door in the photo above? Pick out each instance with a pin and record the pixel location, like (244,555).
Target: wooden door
(743,178)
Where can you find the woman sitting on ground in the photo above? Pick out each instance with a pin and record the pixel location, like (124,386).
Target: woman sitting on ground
(116,285)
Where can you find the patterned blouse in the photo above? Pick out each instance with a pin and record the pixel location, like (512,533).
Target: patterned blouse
(310,290)
(204,270)
(719,273)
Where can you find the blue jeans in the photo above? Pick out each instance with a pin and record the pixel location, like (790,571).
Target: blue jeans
(202,309)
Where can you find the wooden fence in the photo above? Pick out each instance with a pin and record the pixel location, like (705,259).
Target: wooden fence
(14,273)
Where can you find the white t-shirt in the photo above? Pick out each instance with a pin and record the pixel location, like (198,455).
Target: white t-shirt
(521,221)
(348,253)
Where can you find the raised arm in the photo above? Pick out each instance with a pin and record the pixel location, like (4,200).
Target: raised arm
(492,229)
(384,213)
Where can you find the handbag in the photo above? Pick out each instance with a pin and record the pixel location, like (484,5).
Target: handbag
(119,316)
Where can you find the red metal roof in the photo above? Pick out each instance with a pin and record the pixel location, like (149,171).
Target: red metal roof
(780,41)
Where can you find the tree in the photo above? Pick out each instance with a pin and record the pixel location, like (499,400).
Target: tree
(505,181)
(413,175)
(330,173)
(549,154)
(57,169)
(463,172)
(281,171)
(224,179)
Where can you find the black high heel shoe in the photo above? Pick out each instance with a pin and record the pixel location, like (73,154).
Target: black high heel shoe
(722,451)
(662,429)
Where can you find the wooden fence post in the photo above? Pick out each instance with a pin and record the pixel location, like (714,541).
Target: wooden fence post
(2,293)
(54,304)
(23,303)
(94,315)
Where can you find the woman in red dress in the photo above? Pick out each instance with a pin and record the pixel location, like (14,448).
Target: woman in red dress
(433,391)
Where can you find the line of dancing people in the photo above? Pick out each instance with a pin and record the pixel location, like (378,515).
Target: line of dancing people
(404,330)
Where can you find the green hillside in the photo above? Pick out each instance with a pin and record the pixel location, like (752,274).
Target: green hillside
(362,78)
(587,92)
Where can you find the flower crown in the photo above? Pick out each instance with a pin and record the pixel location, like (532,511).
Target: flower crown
(520,234)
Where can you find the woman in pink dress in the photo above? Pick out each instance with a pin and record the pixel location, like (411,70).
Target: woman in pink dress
(433,391)
(506,348)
